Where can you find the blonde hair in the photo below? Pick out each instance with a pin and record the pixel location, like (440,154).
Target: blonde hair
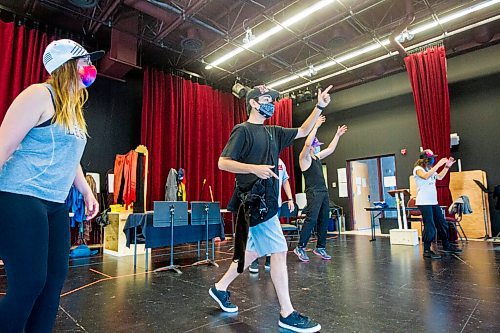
(422,162)
(69,97)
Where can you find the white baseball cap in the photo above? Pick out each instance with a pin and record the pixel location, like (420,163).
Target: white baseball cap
(62,50)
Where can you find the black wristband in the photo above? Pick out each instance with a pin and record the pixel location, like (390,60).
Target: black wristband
(322,108)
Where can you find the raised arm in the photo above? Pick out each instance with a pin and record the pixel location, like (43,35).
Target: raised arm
(426,174)
(307,145)
(446,168)
(333,144)
(323,100)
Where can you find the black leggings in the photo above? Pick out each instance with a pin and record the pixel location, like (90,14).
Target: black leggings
(34,245)
(434,221)
(317,212)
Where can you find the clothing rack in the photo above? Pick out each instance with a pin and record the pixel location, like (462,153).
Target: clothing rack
(423,48)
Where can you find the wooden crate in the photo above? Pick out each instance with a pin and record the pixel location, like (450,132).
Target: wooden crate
(114,237)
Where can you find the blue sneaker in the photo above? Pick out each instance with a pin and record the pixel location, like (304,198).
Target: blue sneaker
(222,297)
(301,253)
(297,322)
(321,252)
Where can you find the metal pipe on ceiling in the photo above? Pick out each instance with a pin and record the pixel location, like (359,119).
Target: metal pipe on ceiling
(239,31)
(152,10)
(185,15)
(337,19)
(104,16)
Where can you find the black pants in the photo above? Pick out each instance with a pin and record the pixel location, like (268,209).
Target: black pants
(433,221)
(34,245)
(317,211)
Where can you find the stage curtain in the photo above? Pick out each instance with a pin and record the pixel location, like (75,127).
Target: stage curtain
(187,124)
(427,73)
(20,61)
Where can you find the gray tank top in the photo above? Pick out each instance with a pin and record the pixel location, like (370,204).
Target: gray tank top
(45,163)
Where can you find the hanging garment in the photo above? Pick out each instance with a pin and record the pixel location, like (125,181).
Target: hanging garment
(76,205)
(141,167)
(460,206)
(181,192)
(125,177)
(171,186)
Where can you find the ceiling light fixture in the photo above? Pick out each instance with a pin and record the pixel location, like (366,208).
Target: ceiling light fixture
(410,34)
(426,42)
(311,71)
(406,35)
(292,20)
(248,36)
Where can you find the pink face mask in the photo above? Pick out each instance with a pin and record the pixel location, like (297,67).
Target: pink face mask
(87,75)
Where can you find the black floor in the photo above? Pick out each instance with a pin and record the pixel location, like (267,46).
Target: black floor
(367,287)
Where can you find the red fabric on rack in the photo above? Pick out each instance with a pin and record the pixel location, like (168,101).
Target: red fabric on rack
(125,172)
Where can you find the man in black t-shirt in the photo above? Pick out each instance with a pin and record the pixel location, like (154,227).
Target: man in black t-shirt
(318,202)
(252,154)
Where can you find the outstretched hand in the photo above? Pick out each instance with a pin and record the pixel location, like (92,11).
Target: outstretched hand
(320,121)
(450,162)
(442,161)
(341,130)
(324,97)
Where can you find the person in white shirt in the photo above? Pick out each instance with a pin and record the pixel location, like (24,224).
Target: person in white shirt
(283,181)
(426,174)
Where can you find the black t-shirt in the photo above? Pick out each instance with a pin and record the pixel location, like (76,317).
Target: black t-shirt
(258,144)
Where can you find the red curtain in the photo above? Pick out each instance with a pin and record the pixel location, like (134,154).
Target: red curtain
(20,61)
(427,72)
(186,124)
(283,117)
(161,128)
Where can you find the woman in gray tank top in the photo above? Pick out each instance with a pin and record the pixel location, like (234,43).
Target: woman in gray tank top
(42,139)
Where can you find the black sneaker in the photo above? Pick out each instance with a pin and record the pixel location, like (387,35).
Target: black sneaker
(267,265)
(431,254)
(222,297)
(452,249)
(297,322)
(254,266)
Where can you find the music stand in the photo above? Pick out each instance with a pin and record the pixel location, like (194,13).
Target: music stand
(205,213)
(400,204)
(485,214)
(170,214)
